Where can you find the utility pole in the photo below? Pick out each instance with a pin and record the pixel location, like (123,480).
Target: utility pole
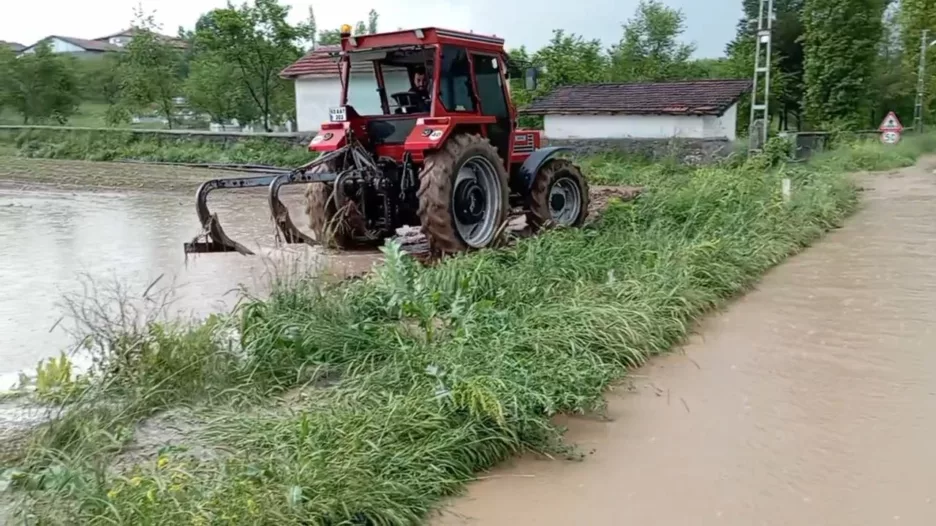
(921,83)
(760,113)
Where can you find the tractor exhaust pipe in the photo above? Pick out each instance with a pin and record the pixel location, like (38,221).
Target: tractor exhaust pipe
(213,238)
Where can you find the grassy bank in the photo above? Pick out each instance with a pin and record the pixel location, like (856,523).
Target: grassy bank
(368,401)
(115,145)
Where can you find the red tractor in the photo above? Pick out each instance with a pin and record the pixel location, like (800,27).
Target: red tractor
(427,136)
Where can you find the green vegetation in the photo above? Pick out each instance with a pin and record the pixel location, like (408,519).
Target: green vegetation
(393,391)
(115,145)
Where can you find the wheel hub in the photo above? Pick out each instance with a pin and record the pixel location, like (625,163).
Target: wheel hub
(469,202)
(557,202)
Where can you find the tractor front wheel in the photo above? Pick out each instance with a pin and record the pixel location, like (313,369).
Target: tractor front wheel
(559,196)
(463,195)
(329,228)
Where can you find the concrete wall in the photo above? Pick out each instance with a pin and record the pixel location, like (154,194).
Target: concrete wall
(315,95)
(642,126)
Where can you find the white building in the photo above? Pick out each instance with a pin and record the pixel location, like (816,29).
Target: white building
(318,87)
(697,109)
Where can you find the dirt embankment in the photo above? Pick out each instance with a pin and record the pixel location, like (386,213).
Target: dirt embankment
(811,400)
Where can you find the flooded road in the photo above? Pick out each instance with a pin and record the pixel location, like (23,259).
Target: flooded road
(810,401)
(53,236)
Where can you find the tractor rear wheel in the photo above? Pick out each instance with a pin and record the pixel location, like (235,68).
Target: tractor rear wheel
(463,195)
(330,230)
(559,196)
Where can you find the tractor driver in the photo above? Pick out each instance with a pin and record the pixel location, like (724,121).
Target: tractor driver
(421,90)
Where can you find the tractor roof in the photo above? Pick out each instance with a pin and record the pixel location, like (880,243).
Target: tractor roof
(427,36)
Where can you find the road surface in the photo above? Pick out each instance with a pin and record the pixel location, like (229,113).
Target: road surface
(810,401)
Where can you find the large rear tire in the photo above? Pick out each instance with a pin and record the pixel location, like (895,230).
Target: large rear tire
(559,196)
(329,229)
(463,195)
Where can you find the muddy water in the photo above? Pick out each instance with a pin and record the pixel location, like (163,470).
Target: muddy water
(51,238)
(811,401)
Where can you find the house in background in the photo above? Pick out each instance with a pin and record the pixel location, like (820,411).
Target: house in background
(124,37)
(691,110)
(79,47)
(318,87)
(94,47)
(16,47)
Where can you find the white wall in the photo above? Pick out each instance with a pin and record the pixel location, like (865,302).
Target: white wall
(316,95)
(724,127)
(641,126)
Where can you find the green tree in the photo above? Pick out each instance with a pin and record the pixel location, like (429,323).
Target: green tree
(258,40)
(650,49)
(372,17)
(841,39)
(329,37)
(787,64)
(40,86)
(914,16)
(150,72)
(214,87)
(570,59)
(100,78)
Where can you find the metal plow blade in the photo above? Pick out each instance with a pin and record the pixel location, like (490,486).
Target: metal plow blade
(213,238)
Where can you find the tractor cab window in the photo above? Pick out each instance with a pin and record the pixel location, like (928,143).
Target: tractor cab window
(455,89)
(398,68)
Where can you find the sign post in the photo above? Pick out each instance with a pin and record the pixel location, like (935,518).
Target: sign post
(890,129)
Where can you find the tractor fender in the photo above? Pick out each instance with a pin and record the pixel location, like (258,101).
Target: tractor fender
(531,166)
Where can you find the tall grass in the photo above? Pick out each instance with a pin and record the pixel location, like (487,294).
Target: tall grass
(113,145)
(400,387)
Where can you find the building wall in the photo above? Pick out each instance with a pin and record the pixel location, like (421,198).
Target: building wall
(316,95)
(641,126)
(724,127)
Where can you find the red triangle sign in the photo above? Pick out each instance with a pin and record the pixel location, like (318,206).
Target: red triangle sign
(891,123)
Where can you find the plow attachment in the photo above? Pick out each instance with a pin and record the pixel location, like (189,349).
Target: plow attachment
(214,239)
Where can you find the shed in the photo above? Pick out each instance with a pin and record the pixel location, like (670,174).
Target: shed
(318,87)
(696,109)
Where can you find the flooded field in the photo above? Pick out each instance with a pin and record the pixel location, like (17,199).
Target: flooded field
(56,238)
(809,401)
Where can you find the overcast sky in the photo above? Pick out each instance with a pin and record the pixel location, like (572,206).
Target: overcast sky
(710,23)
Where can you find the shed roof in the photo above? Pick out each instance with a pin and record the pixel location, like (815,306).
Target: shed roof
(693,97)
(315,62)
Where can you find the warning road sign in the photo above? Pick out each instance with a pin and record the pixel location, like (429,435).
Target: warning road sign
(891,123)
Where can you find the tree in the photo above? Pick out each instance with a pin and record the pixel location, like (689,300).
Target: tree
(570,59)
(329,37)
(914,16)
(257,39)
(787,49)
(214,87)
(150,71)
(372,17)
(100,78)
(841,40)
(312,27)
(650,49)
(40,86)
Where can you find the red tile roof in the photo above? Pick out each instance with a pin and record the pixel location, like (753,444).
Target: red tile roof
(694,97)
(315,62)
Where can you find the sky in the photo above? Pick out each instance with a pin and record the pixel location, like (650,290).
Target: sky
(710,24)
